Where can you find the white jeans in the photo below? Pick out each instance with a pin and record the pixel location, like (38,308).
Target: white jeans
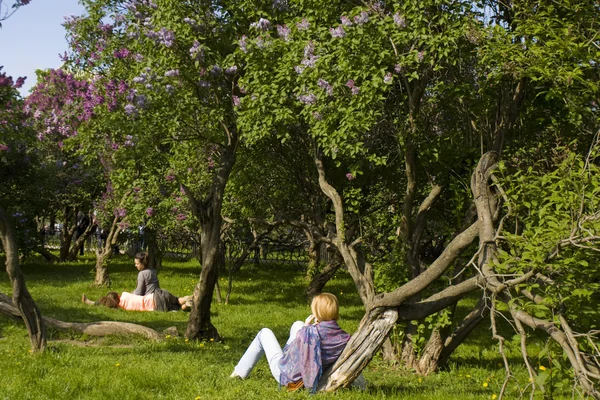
(265,343)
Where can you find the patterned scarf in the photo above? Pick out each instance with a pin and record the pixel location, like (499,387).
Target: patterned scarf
(315,348)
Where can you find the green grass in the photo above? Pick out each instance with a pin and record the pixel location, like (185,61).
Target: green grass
(80,367)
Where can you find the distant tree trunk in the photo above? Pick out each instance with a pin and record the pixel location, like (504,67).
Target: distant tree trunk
(319,281)
(314,257)
(67,231)
(79,243)
(200,325)
(155,254)
(105,253)
(20,296)
(208,213)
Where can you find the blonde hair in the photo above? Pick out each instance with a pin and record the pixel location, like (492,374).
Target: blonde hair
(325,307)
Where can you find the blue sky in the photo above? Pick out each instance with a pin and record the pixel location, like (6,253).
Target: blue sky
(33,37)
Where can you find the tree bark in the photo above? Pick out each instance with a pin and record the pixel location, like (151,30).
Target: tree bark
(208,213)
(20,295)
(67,231)
(99,328)
(319,281)
(372,331)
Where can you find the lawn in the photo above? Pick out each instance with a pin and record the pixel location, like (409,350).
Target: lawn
(81,367)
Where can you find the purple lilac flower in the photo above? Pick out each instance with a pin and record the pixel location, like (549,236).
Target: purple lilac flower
(261,43)
(131,95)
(149,211)
(262,24)
(420,55)
(350,83)
(196,52)
(140,79)
(299,69)
(361,19)
(387,78)
(337,32)
(166,37)
(20,82)
(181,217)
(211,163)
(309,49)
(317,115)
(284,32)
(149,86)
(3,147)
(216,70)
(170,178)
(231,70)
(138,57)
(120,212)
(236,101)
(37,114)
(308,99)
(398,68)
(323,84)
(191,22)
(115,146)
(122,53)
(204,84)
(170,89)
(137,189)
(355,90)
(399,20)
(172,73)
(345,21)
(349,176)
(303,25)
(243,44)
(129,141)
(130,109)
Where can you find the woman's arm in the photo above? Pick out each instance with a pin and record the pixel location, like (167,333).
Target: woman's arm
(140,290)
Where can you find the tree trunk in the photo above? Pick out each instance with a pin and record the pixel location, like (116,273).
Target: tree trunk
(102,258)
(66,233)
(21,297)
(314,258)
(208,213)
(79,243)
(98,328)
(319,281)
(104,254)
(199,324)
(372,332)
(155,254)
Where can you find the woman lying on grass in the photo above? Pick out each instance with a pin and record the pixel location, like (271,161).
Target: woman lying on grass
(313,346)
(133,302)
(147,296)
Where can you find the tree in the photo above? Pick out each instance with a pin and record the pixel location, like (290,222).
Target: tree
(19,166)
(409,77)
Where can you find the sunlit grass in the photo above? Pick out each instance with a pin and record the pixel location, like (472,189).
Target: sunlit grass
(80,367)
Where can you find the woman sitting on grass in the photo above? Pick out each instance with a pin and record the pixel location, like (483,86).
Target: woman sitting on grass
(147,296)
(313,346)
(132,302)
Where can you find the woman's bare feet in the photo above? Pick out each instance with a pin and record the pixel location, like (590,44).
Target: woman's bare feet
(86,300)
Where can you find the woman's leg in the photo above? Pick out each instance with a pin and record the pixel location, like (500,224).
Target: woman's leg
(265,343)
(296,326)
(87,301)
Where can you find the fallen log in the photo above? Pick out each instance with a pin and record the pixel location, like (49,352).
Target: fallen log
(99,328)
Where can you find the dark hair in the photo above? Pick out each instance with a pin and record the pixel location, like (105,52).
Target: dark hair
(111,300)
(143,257)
